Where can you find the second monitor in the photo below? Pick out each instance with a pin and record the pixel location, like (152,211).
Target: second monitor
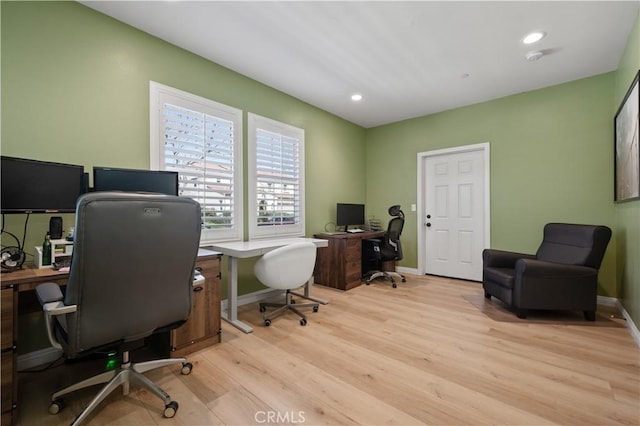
(349,215)
(134,180)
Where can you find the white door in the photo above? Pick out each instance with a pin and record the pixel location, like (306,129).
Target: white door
(455,213)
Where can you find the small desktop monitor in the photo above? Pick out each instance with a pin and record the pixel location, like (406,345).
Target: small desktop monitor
(135,180)
(349,215)
(32,186)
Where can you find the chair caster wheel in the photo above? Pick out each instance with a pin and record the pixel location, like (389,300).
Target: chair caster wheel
(367,282)
(262,309)
(404,280)
(267,322)
(186,368)
(315,309)
(303,321)
(56,406)
(394,285)
(170,409)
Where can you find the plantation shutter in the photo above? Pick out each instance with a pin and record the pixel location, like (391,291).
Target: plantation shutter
(277,178)
(200,148)
(202,141)
(276,161)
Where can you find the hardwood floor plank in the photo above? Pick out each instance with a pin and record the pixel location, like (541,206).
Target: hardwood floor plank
(431,351)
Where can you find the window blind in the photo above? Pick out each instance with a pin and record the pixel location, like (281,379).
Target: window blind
(277,179)
(200,148)
(276,176)
(202,141)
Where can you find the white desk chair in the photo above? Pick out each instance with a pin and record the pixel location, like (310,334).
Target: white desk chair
(287,268)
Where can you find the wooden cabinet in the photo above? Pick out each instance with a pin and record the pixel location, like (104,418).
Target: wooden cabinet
(203,327)
(8,389)
(340,264)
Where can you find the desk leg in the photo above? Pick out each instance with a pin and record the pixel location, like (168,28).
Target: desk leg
(231,316)
(307,293)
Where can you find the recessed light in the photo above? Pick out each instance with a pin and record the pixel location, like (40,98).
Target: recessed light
(533,37)
(356,97)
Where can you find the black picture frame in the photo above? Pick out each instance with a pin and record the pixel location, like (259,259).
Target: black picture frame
(626,150)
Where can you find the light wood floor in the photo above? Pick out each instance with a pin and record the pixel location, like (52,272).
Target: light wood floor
(431,351)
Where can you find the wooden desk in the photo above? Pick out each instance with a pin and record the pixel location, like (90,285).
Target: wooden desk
(340,265)
(201,330)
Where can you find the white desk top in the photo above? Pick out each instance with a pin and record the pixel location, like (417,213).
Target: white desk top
(205,252)
(244,249)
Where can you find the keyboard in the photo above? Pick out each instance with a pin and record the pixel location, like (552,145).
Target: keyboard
(355,230)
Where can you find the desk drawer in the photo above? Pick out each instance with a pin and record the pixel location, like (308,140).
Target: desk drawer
(353,250)
(353,271)
(8,299)
(7,386)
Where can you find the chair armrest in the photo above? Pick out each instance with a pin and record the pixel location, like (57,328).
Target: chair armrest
(48,292)
(50,297)
(502,259)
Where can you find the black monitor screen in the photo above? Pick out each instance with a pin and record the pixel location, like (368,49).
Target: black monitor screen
(39,186)
(133,180)
(349,214)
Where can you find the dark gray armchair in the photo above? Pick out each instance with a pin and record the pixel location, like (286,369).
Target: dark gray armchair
(562,275)
(131,276)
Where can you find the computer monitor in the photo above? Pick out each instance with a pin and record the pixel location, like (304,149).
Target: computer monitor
(349,214)
(32,186)
(135,180)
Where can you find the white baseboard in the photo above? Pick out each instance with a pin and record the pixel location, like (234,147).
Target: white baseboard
(404,270)
(38,358)
(635,333)
(608,301)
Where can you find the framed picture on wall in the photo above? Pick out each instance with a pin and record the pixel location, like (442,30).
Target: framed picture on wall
(627,154)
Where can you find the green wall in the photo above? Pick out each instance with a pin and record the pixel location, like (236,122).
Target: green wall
(551,160)
(75,89)
(628,213)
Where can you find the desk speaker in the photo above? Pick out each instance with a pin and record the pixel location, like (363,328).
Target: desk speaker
(55,227)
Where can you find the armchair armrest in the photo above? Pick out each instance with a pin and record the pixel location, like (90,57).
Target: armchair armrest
(549,285)
(502,259)
(541,269)
(50,297)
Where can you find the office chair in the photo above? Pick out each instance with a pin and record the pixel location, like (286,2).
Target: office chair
(389,248)
(287,268)
(562,275)
(130,276)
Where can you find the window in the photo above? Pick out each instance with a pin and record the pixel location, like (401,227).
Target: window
(202,141)
(276,178)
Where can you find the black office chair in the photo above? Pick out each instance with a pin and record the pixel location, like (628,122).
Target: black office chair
(131,276)
(388,248)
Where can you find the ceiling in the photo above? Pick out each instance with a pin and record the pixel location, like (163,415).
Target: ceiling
(407,59)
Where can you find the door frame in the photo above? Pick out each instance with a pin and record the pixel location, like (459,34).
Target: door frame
(421,196)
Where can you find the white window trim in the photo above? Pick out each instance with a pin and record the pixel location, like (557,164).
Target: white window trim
(255,122)
(157,95)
